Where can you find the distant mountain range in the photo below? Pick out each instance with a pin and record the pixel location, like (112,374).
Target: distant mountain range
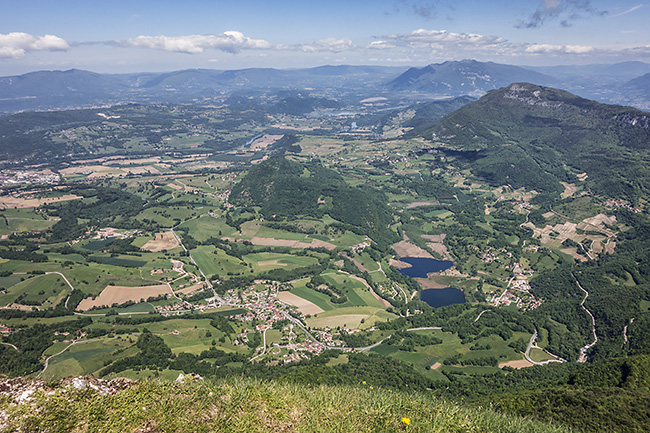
(466,77)
(56,90)
(640,86)
(348,85)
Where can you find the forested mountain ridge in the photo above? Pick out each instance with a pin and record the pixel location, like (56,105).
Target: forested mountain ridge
(535,136)
(285,188)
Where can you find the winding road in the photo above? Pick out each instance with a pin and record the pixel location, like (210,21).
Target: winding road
(9,344)
(585,349)
(531,345)
(207,281)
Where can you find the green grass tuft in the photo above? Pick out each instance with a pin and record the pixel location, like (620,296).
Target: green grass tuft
(245,405)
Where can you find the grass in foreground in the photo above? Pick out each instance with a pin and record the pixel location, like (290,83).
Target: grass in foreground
(244,405)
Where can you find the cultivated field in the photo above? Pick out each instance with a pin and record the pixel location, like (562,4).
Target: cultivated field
(19,202)
(161,241)
(521,363)
(437,244)
(303,305)
(271,242)
(121,294)
(264,141)
(350,317)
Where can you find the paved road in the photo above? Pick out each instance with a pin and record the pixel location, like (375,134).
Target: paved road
(585,349)
(531,344)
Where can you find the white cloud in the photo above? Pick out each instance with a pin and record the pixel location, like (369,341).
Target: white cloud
(629,11)
(445,38)
(441,44)
(332,45)
(231,42)
(380,45)
(558,49)
(16,44)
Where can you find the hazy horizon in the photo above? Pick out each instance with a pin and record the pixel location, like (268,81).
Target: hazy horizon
(147,36)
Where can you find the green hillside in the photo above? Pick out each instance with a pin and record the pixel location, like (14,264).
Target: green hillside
(242,405)
(284,188)
(534,136)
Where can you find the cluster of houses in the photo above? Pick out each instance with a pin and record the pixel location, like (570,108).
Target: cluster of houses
(360,247)
(177,309)
(18,177)
(110,232)
(616,203)
(518,293)
(488,257)
(518,290)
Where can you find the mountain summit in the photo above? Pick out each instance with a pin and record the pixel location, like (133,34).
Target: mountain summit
(465,77)
(535,136)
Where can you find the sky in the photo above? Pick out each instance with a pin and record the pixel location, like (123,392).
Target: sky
(119,36)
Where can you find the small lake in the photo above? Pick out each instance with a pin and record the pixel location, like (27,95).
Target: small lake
(442,297)
(421,266)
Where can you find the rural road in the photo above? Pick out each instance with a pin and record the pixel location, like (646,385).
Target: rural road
(9,344)
(585,349)
(263,352)
(207,281)
(63,276)
(47,360)
(479,315)
(531,344)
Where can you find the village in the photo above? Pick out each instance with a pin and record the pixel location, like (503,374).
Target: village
(518,290)
(25,177)
(264,310)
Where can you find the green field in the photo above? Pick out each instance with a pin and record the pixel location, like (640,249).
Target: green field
(425,356)
(357,293)
(192,335)
(218,264)
(42,290)
(96,245)
(119,261)
(87,357)
(440,213)
(320,299)
(350,317)
(23,220)
(206,227)
(166,215)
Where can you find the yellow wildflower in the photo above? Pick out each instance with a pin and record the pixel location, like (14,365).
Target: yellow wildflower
(406,421)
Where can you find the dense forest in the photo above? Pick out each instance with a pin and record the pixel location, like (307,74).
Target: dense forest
(287,189)
(534,136)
